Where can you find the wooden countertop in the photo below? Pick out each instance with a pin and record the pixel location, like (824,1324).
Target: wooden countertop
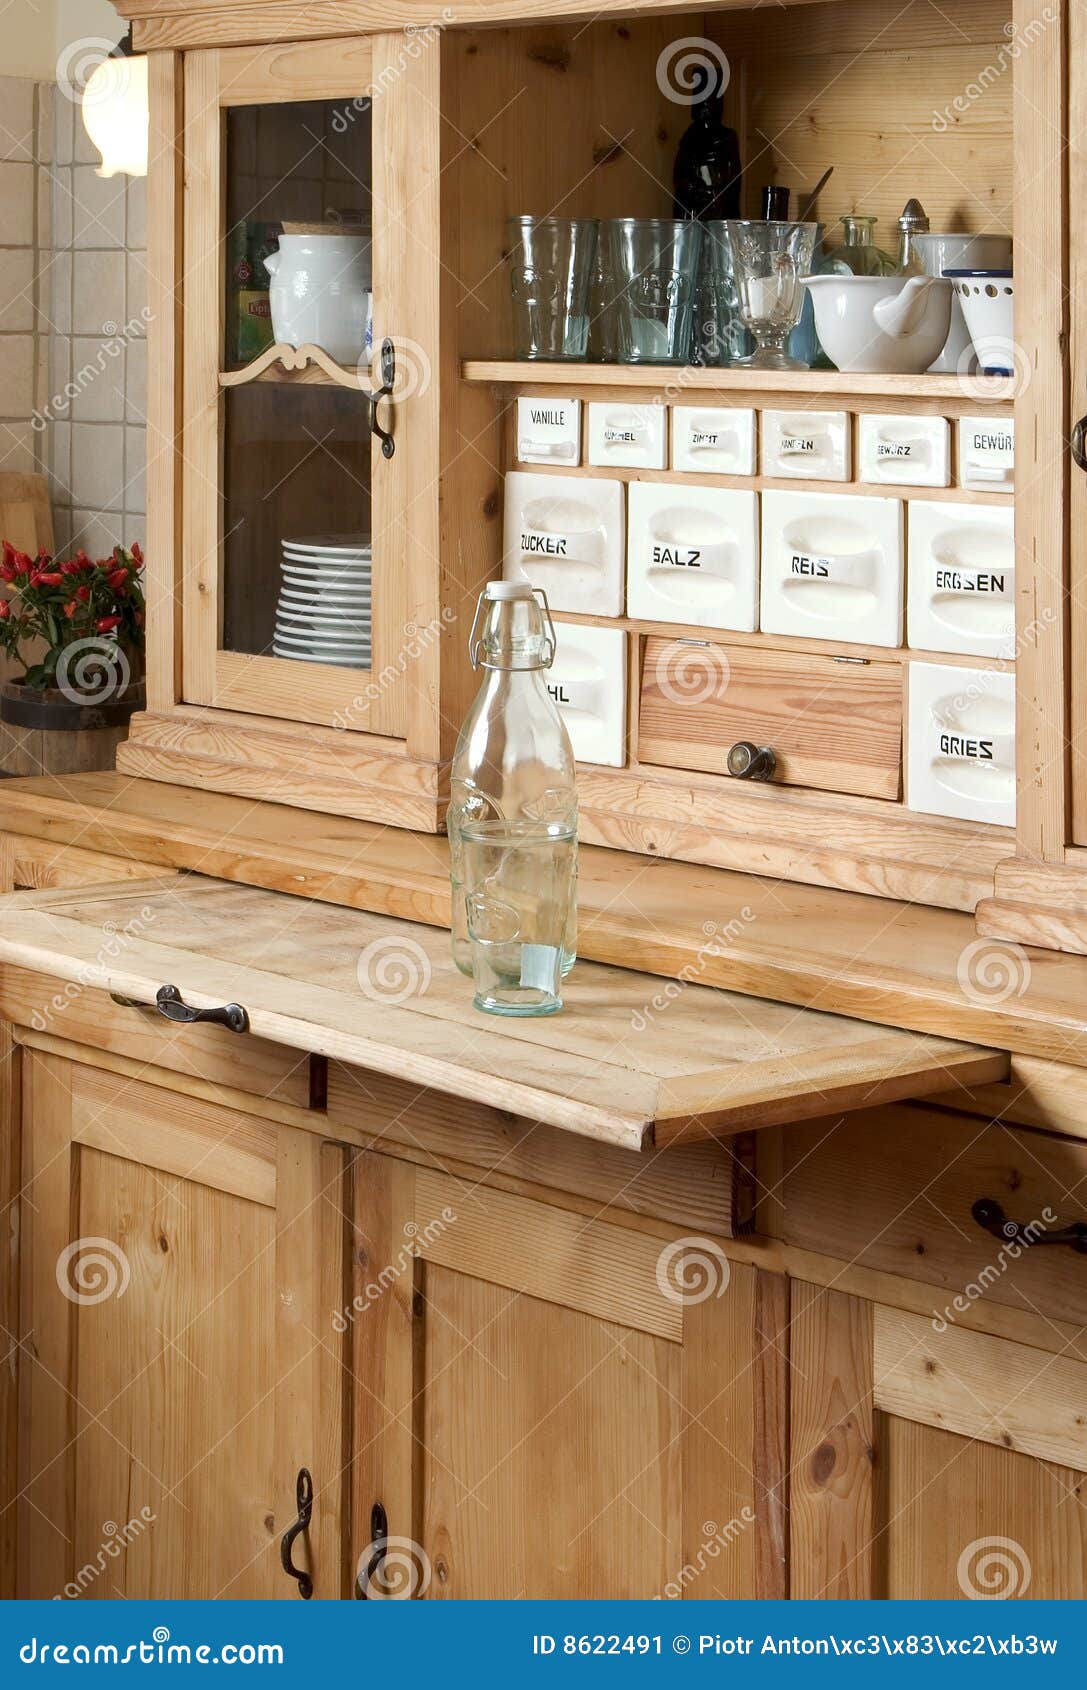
(875,959)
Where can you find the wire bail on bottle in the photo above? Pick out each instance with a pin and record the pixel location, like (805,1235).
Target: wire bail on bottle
(475,640)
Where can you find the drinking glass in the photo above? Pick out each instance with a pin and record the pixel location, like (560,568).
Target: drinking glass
(768,260)
(652,264)
(551,268)
(720,334)
(519,881)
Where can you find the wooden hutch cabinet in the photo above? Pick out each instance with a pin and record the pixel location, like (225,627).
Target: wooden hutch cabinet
(838,1414)
(451,128)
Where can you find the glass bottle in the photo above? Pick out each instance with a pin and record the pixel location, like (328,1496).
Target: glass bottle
(859,251)
(706,178)
(912,222)
(513,764)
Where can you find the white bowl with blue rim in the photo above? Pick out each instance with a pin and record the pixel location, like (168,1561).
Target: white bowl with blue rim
(987,299)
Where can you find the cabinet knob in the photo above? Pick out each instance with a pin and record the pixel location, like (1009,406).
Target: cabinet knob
(1079,435)
(751,762)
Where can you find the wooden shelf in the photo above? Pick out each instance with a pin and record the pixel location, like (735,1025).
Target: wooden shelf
(981,390)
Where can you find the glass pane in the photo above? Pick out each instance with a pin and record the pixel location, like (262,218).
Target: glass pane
(296,565)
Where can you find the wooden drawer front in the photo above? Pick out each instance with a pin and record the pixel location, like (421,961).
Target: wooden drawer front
(707,1186)
(893,1189)
(833,725)
(91,1017)
(40,863)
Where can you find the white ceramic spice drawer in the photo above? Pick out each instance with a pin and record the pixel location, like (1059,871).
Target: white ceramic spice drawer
(549,431)
(628,436)
(986,454)
(960,743)
(693,555)
(588,681)
(713,441)
(960,578)
(809,444)
(832,567)
(565,533)
(904,451)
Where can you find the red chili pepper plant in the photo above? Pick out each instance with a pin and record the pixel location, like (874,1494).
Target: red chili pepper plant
(74,609)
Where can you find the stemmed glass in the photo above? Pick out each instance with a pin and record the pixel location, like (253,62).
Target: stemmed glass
(768,260)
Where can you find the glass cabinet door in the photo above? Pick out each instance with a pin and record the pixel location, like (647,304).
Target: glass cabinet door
(293,598)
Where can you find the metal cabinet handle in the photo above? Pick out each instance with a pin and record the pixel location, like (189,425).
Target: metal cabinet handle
(1079,444)
(388,382)
(303,1491)
(379,1545)
(751,762)
(169,1002)
(989,1215)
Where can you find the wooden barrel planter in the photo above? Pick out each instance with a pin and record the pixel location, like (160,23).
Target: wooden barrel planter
(50,732)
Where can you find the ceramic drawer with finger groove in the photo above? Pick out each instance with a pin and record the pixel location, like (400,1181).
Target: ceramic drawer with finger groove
(986,454)
(693,555)
(588,681)
(713,441)
(565,533)
(904,451)
(961,578)
(961,742)
(628,436)
(810,445)
(832,567)
(549,431)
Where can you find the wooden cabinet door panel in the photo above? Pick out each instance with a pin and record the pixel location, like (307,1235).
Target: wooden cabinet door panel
(929,1461)
(567,1407)
(178,1363)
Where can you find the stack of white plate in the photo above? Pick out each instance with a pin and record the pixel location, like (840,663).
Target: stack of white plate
(324,609)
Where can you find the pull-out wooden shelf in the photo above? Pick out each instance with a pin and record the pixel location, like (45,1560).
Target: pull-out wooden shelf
(633,1060)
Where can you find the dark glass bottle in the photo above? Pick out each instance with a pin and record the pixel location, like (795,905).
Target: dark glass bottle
(706,179)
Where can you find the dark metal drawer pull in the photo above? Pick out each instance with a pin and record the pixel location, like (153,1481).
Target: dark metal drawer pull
(1079,437)
(746,761)
(988,1214)
(170,1003)
(303,1493)
(378,1547)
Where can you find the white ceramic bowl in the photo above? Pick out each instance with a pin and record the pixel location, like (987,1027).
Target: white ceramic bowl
(884,325)
(987,298)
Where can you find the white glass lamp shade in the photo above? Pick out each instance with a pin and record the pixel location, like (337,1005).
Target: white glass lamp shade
(115,115)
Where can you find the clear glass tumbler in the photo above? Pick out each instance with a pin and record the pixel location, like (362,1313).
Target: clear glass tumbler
(652,263)
(551,267)
(768,260)
(519,881)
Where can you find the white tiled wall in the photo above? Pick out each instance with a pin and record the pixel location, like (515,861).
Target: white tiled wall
(26,118)
(98,365)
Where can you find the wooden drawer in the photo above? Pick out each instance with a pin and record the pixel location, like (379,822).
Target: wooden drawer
(831,724)
(88,1016)
(710,1187)
(893,1189)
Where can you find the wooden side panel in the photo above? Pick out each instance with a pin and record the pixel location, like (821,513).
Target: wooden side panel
(551,1440)
(830,725)
(971,1519)
(833,1453)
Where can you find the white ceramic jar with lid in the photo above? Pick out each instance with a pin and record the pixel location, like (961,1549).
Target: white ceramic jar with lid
(320,292)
